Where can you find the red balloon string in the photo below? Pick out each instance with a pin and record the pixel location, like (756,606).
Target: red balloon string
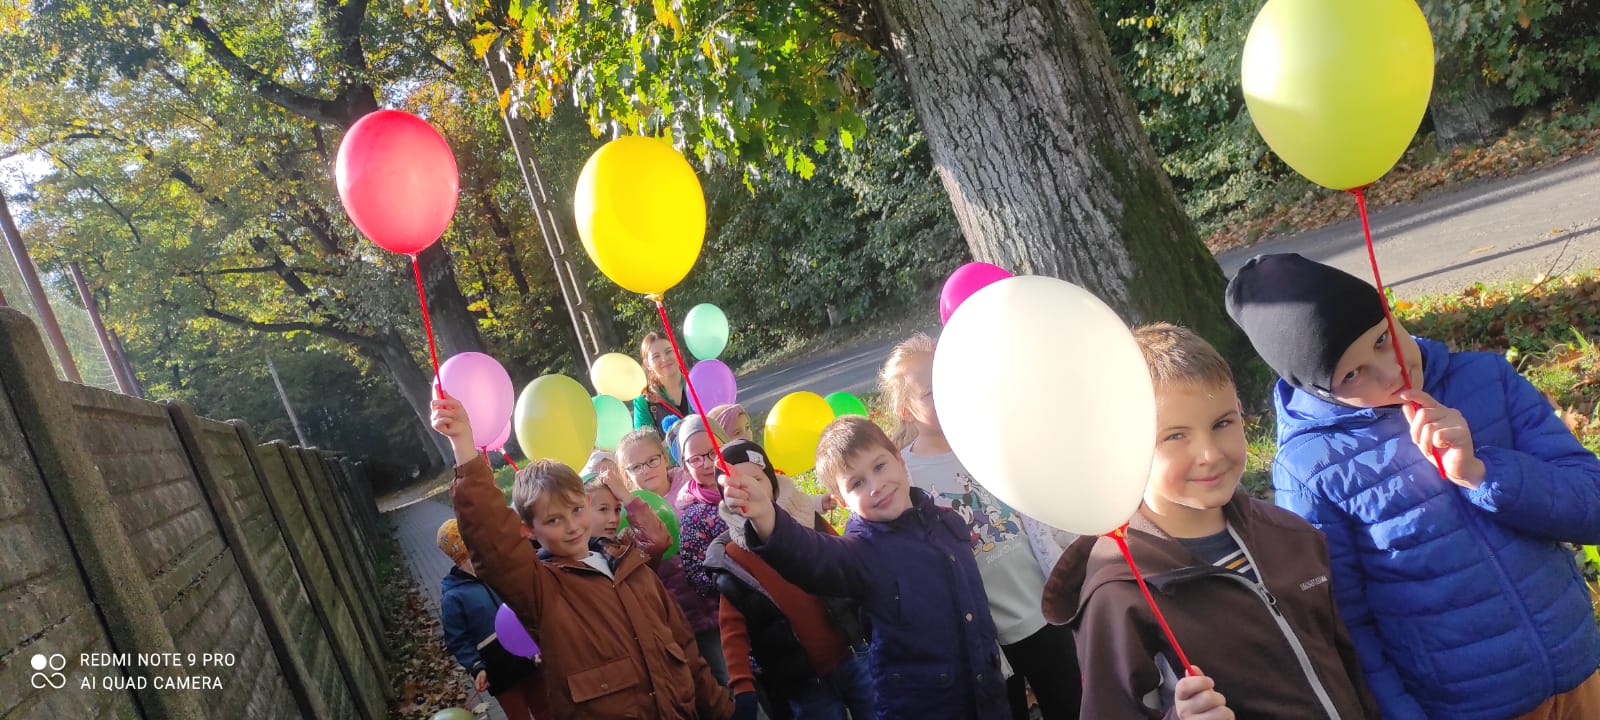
(510,462)
(1388,315)
(1121,536)
(695,396)
(427,325)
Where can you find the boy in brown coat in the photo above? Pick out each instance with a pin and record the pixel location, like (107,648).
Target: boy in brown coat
(614,643)
(1243,584)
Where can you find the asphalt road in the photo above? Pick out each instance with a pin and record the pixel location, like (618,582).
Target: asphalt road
(1489,231)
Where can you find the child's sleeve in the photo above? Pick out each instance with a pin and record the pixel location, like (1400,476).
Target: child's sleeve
(1349,657)
(695,534)
(502,558)
(1123,679)
(711,700)
(453,619)
(736,648)
(1548,485)
(1349,591)
(816,563)
(647,530)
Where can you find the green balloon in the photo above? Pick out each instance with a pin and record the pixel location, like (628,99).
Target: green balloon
(844,403)
(663,510)
(705,331)
(454,714)
(612,421)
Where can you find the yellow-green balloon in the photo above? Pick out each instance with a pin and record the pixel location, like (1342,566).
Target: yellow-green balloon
(612,421)
(555,419)
(793,429)
(617,375)
(1337,88)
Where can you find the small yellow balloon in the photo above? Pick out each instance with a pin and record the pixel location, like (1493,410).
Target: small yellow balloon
(617,375)
(555,419)
(793,428)
(1337,88)
(641,213)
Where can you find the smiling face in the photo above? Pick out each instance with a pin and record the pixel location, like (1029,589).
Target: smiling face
(660,361)
(1368,376)
(561,524)
(874,484)
(1200,455)
(701,459)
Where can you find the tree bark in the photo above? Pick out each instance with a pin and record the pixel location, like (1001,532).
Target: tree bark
(454,326)
(414,384)
(1466,110)
(1049,172)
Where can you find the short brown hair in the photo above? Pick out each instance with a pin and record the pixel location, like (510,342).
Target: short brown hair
(544,479)
(1175,355)
(842,440)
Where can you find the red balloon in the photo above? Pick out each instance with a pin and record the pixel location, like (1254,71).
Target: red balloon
(398,180)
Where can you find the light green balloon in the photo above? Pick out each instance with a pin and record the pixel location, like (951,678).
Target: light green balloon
(705,331)
(454,714)
(612,421)
(844,403)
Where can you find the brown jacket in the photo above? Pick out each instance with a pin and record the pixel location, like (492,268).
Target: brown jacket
(612,649)
(1276,650)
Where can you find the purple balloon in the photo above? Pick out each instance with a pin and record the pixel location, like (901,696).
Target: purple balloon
(965,281)
(484,389)
(513,636)
(714,381)
(499,441)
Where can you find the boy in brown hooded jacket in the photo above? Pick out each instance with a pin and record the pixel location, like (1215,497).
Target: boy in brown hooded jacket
(1243,584)
(614,643)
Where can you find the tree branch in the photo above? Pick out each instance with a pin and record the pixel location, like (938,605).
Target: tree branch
(328,331)
(314,108)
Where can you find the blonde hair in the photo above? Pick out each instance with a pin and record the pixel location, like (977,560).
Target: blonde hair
(842,440)
(542,479)
(650,378)
(894,386)
(1175,355)
(646,434)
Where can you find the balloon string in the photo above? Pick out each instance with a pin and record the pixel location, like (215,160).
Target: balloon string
(722,464)
(1120,535)
(510,462)
(427,325)
(1388,315)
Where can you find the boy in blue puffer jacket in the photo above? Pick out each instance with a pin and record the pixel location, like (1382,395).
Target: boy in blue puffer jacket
(1459,597)
(467,610)
(933,651)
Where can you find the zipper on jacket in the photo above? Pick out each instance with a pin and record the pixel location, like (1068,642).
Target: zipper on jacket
(1261,591)
(1511,592)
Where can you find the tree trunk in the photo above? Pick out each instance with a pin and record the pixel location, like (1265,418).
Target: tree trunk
(454,327)
(1467,111)
(414,384)
(1049,172)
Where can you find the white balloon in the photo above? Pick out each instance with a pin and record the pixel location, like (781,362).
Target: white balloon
(1046,399)
(617,375)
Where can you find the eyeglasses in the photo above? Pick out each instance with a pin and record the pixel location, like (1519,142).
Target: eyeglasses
(638,467)
(701,459)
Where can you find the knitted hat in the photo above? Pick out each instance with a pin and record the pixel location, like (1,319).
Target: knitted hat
(592,468)
(744,451)
(1301,315)
(449,541)
(688,427)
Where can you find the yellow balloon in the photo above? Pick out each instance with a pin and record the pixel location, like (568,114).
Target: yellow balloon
(641,213)
(617,375)
(793,428)
(554,418)
(1338,87)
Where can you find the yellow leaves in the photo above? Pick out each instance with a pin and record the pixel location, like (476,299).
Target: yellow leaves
(505,100)
(1522,19)
(667,18)
(481,43)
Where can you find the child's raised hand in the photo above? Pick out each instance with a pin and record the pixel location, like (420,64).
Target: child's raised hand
(450,420)
(1435,427)
(748,492)
(1196,698)
(613,482)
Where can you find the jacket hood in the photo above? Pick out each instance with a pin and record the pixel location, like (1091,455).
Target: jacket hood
(1301,412)
(456,578)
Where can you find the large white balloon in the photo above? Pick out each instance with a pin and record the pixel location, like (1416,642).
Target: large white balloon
(1045,398)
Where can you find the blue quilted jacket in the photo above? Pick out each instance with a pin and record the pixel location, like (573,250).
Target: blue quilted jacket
(1461,603)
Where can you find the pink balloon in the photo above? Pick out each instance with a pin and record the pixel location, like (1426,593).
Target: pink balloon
(484,389)
(715,383)
(512,635)
(398,180)
(499,442)
(965,281)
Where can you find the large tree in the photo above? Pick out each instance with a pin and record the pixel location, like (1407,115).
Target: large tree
(1031,129)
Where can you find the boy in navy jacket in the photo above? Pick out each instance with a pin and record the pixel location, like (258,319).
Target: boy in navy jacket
(1460,599)
(907,562)
(467,610)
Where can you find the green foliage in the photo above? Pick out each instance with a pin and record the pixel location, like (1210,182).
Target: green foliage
(1536,49)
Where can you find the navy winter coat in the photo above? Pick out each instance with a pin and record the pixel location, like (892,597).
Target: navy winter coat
(933,648)
(466,613)
(1461,603)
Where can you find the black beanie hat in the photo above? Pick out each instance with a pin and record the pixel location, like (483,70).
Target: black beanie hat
(745,451)
(1301,315)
